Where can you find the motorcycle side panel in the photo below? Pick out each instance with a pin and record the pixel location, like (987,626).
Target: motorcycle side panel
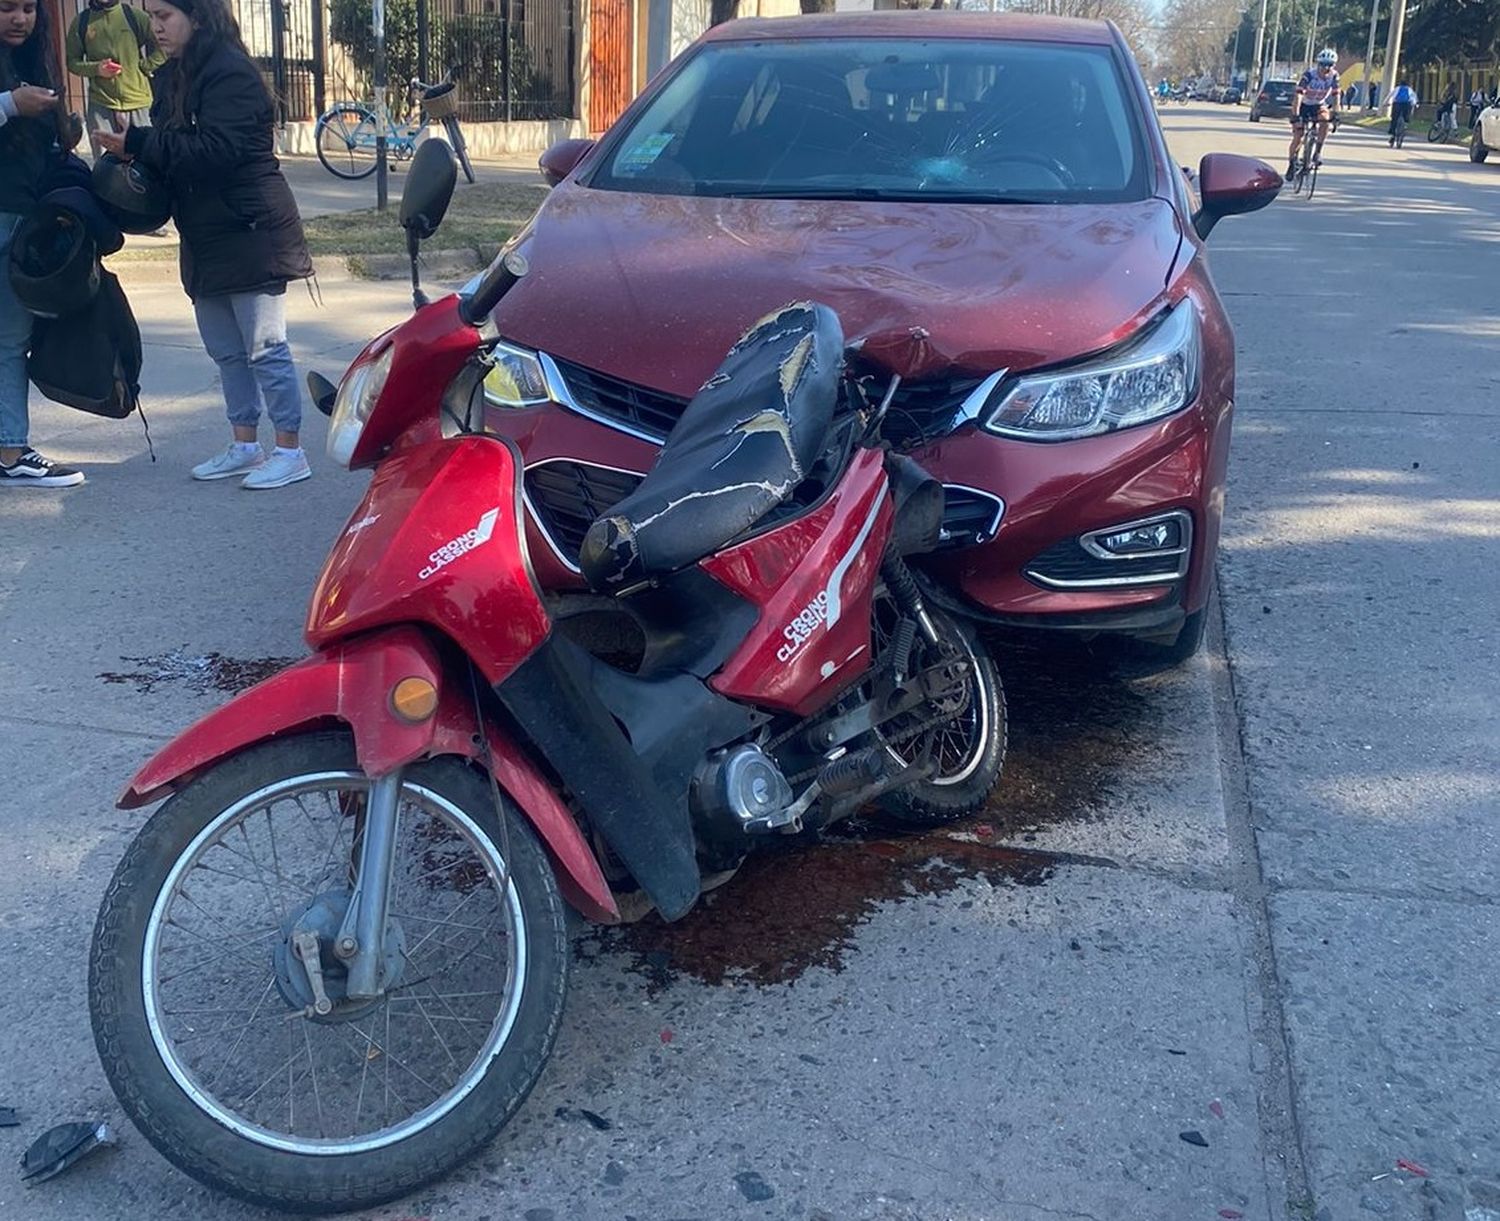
(350,684)
(813,581)
(437,540)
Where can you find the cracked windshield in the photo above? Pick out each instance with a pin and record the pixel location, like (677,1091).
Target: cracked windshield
(979,122)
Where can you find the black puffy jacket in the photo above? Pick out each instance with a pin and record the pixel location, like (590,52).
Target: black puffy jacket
(240,228)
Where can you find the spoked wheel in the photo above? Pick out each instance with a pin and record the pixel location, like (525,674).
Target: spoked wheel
(345,139)
(967,747)
(216,1040)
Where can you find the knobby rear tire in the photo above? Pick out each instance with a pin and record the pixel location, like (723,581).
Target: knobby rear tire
(273,1178)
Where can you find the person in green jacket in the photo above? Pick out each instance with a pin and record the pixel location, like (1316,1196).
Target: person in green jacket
(112,47)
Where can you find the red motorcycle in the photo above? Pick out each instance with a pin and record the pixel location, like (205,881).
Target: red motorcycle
(333,963)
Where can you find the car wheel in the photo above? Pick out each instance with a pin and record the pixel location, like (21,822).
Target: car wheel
(1254,118)
(1478,150)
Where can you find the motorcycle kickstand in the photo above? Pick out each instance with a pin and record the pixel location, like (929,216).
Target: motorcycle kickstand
(361,937)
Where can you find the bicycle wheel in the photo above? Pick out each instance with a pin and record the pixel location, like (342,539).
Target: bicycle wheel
(1400,132)
(460,149)
(1434,133)
(345,139)
(1312,181)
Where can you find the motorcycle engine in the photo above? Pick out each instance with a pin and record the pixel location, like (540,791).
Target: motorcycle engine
(740,791)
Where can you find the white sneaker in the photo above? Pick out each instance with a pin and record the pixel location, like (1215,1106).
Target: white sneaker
(284,466)
(233,461)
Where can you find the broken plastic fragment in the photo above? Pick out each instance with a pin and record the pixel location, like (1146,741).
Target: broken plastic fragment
(58,1148)
(1231,1214)
(8,1117)
(1411,1168)
(1216,1109)
(1193,1137)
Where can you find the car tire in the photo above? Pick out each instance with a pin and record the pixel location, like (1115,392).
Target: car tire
(1254,118)
(1160,656)
(1478,150)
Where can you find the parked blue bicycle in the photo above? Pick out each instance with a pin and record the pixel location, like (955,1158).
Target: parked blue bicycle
(346,131)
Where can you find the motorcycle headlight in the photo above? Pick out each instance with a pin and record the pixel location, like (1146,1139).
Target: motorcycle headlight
(517,378)
(357,396)
(1152,377)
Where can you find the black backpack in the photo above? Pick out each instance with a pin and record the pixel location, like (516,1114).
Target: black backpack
(90,359)
(132,19)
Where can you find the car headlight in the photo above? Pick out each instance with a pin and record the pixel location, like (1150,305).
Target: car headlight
(517,378)
(356,399)
(1150,378)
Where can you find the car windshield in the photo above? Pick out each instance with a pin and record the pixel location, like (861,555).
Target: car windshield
(961,120)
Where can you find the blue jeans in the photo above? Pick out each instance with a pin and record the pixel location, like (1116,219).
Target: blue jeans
(15,339)
(245,333)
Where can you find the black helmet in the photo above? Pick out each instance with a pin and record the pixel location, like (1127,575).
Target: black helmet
(54,263)
(132,196)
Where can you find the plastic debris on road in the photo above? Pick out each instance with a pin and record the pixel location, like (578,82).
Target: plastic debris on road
(8,1117)
(56,1149)
(1193,1137)
(1411,1168)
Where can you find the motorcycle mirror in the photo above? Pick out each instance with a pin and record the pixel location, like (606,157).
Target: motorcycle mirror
(429,189)
(323,392)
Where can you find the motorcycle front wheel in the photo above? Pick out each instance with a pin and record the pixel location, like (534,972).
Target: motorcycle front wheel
(202,1008)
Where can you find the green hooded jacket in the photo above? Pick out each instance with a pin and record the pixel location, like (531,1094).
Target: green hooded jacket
(111,35)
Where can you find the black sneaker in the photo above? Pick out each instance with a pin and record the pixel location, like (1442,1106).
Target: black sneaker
(32,470)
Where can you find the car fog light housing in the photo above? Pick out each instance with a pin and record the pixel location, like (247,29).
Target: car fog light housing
(1163,536)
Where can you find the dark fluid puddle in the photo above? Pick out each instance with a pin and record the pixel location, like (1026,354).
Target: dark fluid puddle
(201,675)
(1078,728)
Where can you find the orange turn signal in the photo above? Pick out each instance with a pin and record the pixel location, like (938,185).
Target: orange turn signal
(414,699)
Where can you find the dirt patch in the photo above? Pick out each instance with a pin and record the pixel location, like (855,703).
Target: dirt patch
(211,672)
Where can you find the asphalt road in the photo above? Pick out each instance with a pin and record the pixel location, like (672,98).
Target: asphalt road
(1250,900)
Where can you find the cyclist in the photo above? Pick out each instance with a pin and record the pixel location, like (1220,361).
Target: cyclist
(1163,89)
(1403,103)
(1317,99)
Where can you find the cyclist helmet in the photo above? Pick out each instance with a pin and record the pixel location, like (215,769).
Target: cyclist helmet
(1327,57)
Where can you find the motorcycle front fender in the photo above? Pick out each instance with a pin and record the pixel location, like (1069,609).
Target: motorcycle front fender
(350,685)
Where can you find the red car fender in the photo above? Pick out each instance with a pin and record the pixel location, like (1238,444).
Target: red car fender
(351,684)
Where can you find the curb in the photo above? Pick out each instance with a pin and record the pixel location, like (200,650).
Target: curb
(327,268)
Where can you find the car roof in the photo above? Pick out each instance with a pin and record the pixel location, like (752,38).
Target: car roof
(930,23)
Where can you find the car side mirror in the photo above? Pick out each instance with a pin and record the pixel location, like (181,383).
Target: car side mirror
(1230,185)
(562,159)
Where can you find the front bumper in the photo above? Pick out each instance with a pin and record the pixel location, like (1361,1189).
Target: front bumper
(1060,491)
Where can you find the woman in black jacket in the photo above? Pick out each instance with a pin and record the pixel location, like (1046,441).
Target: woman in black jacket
(211,139)
(29,113)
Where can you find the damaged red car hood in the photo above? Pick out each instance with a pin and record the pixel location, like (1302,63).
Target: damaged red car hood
(656,288)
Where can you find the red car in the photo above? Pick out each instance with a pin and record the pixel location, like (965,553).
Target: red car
(988,204)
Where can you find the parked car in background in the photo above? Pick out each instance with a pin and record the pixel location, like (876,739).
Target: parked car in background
(1231,95)
(1032,273)
(1486,137)
(1274,100)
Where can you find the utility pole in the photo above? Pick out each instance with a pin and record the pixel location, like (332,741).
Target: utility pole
(1312,31)
(1393,47)
(1260,46)
(1275,34)
(382,195)
(1369,56)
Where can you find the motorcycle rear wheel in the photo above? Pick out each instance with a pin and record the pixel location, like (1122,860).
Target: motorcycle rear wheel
(267,840)
(969,750)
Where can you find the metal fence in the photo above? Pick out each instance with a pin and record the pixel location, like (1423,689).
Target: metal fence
(512,59)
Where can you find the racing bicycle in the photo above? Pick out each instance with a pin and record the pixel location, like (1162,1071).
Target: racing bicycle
(1305,172)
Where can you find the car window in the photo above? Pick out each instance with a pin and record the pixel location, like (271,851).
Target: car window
(882,118)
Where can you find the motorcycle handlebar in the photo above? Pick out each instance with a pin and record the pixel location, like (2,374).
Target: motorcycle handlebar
(503,275)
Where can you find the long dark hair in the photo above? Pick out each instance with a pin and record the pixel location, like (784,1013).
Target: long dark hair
(216,27)
(32,60)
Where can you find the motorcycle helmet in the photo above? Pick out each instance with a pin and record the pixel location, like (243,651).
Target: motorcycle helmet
(132,196)
(1327,57)
(54,262)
